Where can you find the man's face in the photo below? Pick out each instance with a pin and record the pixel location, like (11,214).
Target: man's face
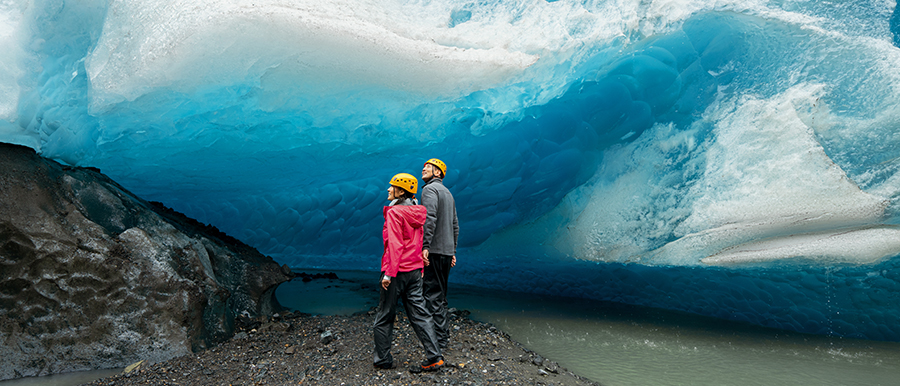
(427,172)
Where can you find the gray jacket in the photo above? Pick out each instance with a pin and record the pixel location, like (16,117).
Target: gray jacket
(441,224)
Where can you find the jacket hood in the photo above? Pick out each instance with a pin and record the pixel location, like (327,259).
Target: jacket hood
(414,215)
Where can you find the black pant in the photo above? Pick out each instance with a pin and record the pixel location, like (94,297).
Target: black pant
(406,286)
(435,290)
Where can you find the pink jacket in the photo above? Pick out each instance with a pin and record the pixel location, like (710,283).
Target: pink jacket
(403,234)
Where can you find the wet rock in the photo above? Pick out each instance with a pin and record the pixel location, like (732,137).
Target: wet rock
(90,269)
(305,277)
(551,366)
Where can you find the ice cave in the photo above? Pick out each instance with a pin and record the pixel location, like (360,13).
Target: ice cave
(734,159)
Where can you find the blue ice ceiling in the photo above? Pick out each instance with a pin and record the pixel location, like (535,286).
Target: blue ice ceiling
(732,159)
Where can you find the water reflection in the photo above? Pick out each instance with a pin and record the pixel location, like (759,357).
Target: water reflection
(66,379)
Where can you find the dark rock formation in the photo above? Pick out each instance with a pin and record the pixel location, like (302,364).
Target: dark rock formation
(93,277)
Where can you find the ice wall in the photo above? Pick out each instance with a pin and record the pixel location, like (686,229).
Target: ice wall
(641,147)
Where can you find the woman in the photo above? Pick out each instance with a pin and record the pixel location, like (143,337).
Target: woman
(401,275)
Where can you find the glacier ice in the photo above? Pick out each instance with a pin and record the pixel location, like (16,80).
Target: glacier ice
(734,159)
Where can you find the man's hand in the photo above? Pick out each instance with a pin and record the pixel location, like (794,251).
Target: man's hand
(453,262)
(425,257)
(385,282)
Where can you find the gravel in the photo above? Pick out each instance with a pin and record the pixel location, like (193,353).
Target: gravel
(303,349)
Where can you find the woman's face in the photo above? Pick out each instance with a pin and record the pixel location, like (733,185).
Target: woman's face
(391,193)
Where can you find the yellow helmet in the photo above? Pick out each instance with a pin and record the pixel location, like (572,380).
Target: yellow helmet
(440,164)
(406,182)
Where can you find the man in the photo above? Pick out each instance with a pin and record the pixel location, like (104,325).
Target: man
(439,245)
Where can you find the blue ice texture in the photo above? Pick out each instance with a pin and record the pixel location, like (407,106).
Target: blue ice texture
(737,160)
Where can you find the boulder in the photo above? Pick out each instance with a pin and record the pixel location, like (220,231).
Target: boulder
(92,276)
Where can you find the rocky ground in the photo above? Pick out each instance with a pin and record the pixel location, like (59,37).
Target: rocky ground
(303,349)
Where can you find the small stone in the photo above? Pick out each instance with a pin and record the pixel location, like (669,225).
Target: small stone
(538,360)
(326,337)
(134,366)
(552,367)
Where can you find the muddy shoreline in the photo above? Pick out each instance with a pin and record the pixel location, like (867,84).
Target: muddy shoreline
(301,349)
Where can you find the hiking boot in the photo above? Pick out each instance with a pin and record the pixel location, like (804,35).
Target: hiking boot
(384,366)
(427,365)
